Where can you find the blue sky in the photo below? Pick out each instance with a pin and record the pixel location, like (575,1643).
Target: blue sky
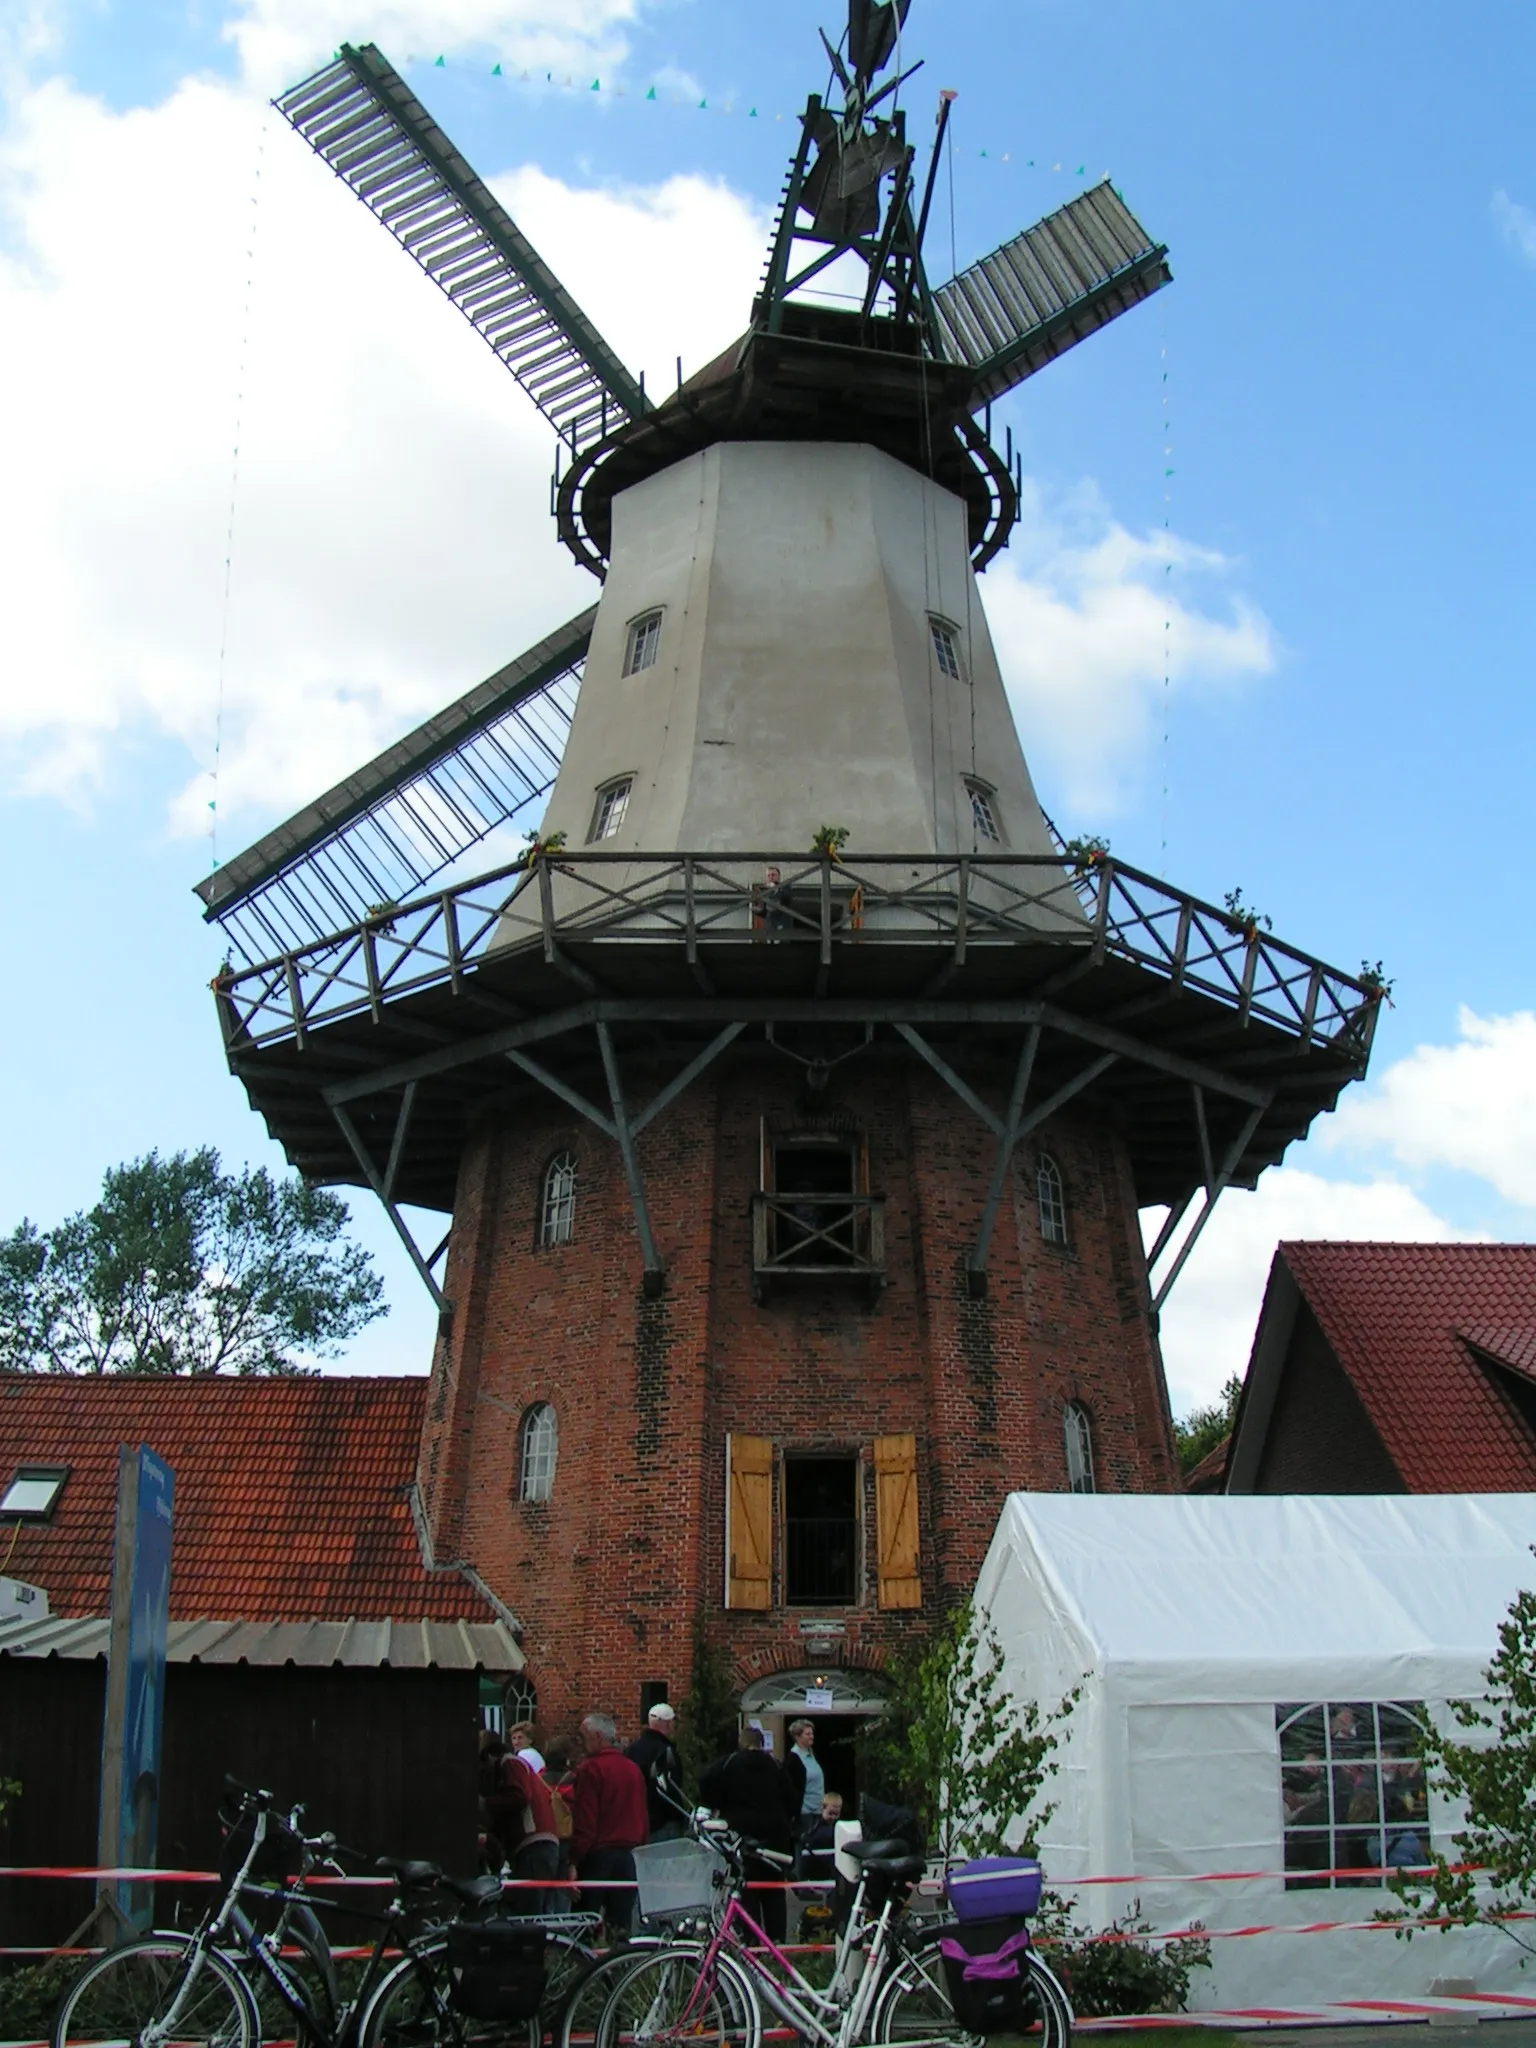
(1341,372)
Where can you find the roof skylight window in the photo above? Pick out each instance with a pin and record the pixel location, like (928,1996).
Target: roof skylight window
(33,1494)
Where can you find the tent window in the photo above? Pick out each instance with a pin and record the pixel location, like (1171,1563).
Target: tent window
(1351,1789)
(1077,1428)
(540,1442)
(1051,1195)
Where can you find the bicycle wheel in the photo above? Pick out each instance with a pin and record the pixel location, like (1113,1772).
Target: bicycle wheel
(147,1994)
(662,2001)
(411,2007)
(914,2004)
(586,1998)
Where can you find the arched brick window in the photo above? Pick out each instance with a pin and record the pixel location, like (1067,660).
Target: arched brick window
(1051,1194)
(537,1449)
(1077,1429)
(557,1201)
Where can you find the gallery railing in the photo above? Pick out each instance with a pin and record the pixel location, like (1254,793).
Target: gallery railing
(818,1234)
(825,907)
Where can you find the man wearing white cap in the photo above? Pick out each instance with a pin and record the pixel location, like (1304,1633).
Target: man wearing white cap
(656,1754)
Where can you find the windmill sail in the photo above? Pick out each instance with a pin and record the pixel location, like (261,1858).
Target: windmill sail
(411,812)
(1048,289)
(363,119)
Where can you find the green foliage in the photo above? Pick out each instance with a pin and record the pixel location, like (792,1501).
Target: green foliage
(1377,982)
(182,1268)
(1088,850)
(1203,1428)
(830,840)
(10,1792)
(1491,1776)
(706,1723)
(956,1746)
(30,1994)
(1112,1971)
(1242,917)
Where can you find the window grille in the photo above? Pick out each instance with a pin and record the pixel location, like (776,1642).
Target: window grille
(1077,1429)
(522,1702)
(612,803)
(1051,1196)
(643,644)
(557,1208)
(984,812)
(946,647)
(1352,1791)
(541,1441)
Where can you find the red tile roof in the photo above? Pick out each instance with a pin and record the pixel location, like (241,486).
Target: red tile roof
(1395,1315)
(1515,1347)
(292,1495)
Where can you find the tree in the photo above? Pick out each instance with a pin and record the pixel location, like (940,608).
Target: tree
(956,1746)
(1492,1870)
(1204,1428)
(182,1268)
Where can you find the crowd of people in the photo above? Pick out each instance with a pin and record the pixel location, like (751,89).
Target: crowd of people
(580,1818)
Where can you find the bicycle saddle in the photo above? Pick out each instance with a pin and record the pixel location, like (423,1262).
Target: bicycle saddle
(474,1891)
(411,1873)
(891,1858)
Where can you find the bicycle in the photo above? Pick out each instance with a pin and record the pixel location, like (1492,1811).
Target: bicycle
(887,1985)
(213,1988)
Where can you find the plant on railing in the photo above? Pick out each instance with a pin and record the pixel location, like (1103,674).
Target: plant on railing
(1242,920)
(1377,985)
(382,916)
(830,841)
(1086,852)
(538,849)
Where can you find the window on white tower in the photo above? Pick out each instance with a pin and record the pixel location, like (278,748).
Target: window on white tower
(946,647)
(612,803)
(984,812)
(643,643)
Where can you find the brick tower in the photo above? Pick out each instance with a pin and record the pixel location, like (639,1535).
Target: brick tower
(795,1095)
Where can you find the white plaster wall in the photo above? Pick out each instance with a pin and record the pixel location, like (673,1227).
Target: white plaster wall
(796,682)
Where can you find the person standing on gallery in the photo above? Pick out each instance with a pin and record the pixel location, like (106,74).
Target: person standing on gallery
(608,1821)
(805,1782)
(655,1753)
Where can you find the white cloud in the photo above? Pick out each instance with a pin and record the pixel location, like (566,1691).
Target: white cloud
(392,540)
(279,40)
(1213,1310)
(1469,1106)
(1088,619)
(1516,223)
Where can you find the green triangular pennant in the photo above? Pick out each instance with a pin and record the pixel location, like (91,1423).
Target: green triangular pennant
(651,94)
(440,64)
(595,86)
(495,71)
(751,113)
(703,106)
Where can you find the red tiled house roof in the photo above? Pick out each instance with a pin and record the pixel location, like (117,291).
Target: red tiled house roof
(1406,1322)
(293,1496)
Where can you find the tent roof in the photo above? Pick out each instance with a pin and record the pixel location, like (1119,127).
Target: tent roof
(1231,1597)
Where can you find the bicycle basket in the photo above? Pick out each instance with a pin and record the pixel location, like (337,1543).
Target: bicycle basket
(676,1877)
(280,1856)
(496,1969)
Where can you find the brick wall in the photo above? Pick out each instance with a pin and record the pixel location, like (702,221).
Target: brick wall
(609,1575)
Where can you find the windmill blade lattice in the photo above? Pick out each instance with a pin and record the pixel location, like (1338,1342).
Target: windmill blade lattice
(413,811)
(1048,289)
(363,119)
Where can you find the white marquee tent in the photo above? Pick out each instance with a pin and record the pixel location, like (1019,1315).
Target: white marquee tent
(1195,1626)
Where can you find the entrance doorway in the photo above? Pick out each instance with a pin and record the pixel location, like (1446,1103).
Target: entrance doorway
(775,1702)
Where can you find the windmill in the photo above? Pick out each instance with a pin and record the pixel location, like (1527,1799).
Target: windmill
(795,1059)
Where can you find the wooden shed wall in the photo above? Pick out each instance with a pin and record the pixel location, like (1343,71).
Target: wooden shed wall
(385,1759)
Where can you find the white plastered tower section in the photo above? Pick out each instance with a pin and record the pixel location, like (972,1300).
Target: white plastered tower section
(796,682)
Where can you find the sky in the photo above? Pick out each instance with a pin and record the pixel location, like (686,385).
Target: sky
(1266,623)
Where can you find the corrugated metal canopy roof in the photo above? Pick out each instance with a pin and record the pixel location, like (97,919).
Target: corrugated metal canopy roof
(356,1645)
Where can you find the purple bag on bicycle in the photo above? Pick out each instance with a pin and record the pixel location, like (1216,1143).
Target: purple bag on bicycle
(985,1963)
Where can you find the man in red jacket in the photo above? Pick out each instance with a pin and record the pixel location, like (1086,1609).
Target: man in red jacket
(608,1819)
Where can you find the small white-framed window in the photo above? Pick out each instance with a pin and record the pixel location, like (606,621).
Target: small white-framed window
(946,647)
(612,803)
(642,643)
(1051,1196)
(1077,1432)
(33,1493)
(537,1451)
(984,811)
(557,1200)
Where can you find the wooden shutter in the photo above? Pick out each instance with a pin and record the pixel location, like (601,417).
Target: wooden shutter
(748,1521)
(901,1582)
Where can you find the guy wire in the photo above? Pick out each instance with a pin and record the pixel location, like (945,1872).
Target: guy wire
(1167,445)
(234,488)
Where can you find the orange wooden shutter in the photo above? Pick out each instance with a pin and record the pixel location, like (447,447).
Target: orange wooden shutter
(748,1521)
(901,1582)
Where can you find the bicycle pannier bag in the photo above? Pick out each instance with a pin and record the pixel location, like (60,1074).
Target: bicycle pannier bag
(985,1964)
(496,1969)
